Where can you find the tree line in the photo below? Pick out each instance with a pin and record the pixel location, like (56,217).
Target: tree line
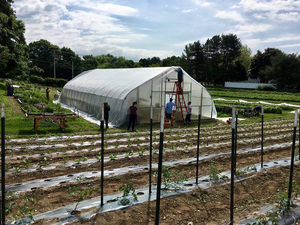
(221,58)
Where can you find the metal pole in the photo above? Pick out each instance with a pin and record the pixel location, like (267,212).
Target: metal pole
(159,172)
(232,167)
(54,70)
(262,138)
(292,161)
(235,140)
(3,164)
(150,154)
(160,156)
(72,69)
(198,140)
(102,153)
(299,137)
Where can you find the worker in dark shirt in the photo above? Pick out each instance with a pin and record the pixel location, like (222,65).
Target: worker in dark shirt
(106,113)
(132,116)
(256,110)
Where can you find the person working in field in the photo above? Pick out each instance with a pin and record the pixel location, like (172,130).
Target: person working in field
(169,110)
(256,110)
(106,113)
(132,116)
(188,114)
(48,93)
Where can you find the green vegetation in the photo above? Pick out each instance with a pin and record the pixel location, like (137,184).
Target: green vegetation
(255,95)
(17,123)
(127,189)
(19,202)
(81,190)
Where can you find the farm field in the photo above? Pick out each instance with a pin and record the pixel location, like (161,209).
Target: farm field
(52,173)
(47,170)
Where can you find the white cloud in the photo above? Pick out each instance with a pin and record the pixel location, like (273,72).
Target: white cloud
(291,16)
(188,10)
(259,16)
(202,3)
(289,45)
(270,5)
(250,29)
(232,15)
(286,37)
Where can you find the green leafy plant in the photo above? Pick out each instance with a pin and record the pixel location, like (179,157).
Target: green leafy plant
(127,189)
(22,209)
(25,163)
(171,178)
(81,190)
(140,152)
(214,173)
(98,157)
(64,159)
(129,153)
(112,156)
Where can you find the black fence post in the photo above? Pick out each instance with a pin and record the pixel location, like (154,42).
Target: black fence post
(262,138)
(159,170)
(232,167)
(292,161)
(102,153)
(198,143)
(2,165)
(235,140)
(150,153)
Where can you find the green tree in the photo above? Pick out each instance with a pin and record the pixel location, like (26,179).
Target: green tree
(245,57)
(172,61)
(284,71)
(66,59)
(230,47)
(193,58)
(214,59)
(260,61)
(13,48)
(41,55)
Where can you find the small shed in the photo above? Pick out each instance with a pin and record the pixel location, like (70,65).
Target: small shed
(121,87)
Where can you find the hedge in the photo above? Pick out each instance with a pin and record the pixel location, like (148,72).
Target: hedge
(48,81)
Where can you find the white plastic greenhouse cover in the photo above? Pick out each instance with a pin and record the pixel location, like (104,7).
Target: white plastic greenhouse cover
(121,87)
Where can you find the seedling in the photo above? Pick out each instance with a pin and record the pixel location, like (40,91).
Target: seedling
(98,157)
(17,169)
(64,159)
(25,163)
(129,153)
(140,152)
(127,189)
(22,210)
(81,190)
(7,166)
(171,178)
(214,173)
(113,156)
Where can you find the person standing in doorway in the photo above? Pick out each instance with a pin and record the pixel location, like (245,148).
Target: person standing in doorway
(106,113)
(188,114)
(132,116)
(48,93)
(169,110)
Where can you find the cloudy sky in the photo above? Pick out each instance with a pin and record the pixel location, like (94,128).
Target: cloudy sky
(145,28)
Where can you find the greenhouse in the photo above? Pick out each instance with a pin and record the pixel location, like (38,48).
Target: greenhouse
(148,86)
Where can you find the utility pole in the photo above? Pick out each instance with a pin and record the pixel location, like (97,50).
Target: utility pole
(72,69)
(54,64)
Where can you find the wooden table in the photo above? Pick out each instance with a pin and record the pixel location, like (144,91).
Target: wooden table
(57,118)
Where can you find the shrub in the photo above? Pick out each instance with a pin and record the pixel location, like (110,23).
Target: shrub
(266,88)
(37,80)
(55,82)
